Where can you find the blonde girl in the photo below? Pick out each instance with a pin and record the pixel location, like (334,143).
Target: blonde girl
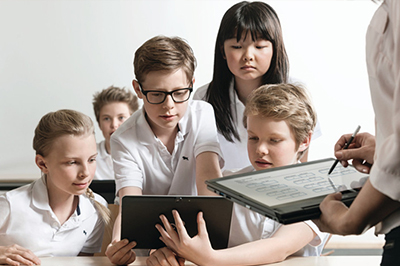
(58,214)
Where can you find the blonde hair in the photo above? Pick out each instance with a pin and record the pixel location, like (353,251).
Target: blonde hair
(65,122)
(114,94)
(163,53)
(287,102)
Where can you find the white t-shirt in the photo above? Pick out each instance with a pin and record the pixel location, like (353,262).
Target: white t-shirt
(142,160)
(248,226)
(104,163)
(27,219)
(235,153)
(383,64)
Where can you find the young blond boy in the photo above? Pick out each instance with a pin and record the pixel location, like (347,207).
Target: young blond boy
(280,120)
(170,146)
(112,106)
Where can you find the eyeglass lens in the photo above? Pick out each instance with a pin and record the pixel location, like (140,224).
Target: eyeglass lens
(181,95)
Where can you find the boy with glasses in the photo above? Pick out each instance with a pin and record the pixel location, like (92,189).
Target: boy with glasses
(170,146)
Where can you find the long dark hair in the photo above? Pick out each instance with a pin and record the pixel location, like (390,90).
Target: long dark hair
(259,20)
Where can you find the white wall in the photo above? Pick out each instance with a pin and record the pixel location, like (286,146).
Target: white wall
(55,54)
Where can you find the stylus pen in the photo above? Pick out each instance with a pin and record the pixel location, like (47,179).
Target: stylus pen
(345,147)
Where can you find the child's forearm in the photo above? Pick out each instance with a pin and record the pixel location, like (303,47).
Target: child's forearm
(253,253)
(116,235)
(285,242)
(207,167)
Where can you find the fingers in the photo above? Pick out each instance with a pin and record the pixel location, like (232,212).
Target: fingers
(165,236)
(15,255)
(120,252)
(201,225)
(171,233)
(362,166)
(341,142)
(180,227)
(329,198)
(181,261)
(345,155)
(163,257)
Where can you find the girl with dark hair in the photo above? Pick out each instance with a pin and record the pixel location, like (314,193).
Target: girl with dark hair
(249,52)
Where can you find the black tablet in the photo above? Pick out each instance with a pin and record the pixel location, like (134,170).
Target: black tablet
(140,214)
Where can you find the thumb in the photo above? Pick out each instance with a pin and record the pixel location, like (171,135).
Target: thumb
(333,196)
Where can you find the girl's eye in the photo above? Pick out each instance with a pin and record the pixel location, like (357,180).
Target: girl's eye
(72,162)
(253,138)
(121,117)
(236,46)
(92,160)
(106,119)
(275,140)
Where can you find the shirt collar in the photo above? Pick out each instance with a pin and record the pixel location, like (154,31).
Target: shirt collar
(146,134)
(40,200)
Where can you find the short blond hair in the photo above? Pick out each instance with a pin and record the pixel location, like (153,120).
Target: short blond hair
(114,94)
(163,53)
(287,102)
(60,123)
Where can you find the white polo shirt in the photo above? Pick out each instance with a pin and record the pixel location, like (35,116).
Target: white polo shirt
(248,226)
(104,163)
(142,160)
(26,219)
(235,153)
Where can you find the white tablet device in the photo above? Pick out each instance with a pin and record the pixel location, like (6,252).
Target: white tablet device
(291,193)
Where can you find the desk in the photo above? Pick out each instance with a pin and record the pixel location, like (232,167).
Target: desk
(294,261)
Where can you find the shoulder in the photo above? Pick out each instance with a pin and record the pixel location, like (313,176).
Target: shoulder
(296,81)
(198,105)
(129,125)
(4,206)
(100,199)
(200,93)
(18,199)
(19,193)
(101,149)
(197,108)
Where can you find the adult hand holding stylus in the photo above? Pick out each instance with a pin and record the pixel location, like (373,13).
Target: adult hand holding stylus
(361,151)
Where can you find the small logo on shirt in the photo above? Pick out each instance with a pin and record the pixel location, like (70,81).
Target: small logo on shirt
(84,232)
(185,158)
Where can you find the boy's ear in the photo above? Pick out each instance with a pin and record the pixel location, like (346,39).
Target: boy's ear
(136,87)
(306,142)
(41,163)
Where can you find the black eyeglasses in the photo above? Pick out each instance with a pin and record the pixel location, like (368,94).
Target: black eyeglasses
(157,97)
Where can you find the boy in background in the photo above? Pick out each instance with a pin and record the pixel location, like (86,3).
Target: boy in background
(112,106)
(170,146)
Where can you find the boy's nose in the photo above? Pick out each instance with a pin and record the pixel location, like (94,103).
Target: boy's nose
(262,149)
(114,123)
(169,102)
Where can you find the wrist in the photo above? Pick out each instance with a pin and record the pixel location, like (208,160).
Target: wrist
(212,258)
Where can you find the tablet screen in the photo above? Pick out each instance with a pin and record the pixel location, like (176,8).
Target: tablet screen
(294,183)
